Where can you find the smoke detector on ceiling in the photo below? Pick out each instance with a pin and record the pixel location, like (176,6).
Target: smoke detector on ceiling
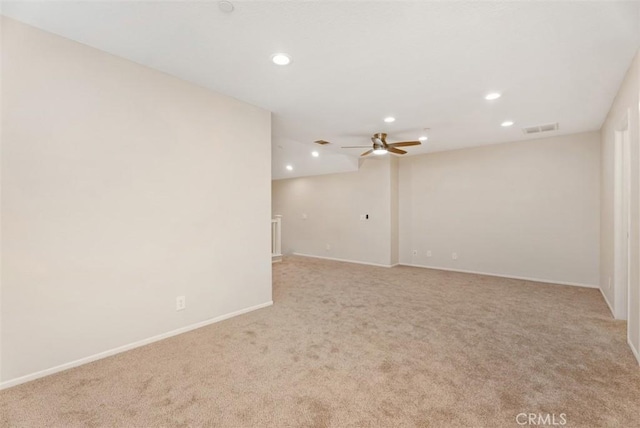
(226,6)
(540,128)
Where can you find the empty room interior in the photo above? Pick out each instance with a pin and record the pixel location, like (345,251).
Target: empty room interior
(320,214)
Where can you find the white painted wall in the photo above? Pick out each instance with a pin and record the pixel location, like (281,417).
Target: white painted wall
(626,102)
(527,209)
(333,204)
(394,207)
(122,188)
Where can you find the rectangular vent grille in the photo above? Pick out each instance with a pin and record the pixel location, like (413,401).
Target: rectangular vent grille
(540,128)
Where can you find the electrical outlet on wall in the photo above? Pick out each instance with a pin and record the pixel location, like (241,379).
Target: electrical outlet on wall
(181,303)
(429,253)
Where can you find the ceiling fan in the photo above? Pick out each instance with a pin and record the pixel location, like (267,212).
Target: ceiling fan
(380,145)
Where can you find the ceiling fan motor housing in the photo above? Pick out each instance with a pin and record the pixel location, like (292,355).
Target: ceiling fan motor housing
(379,140)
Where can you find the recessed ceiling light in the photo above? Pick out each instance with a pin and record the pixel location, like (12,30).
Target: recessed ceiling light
(506,123)
(315,154)
(379,151)
(289,168)
(492,96)
(423,138)
(225,6)
(281,59)
(389,119)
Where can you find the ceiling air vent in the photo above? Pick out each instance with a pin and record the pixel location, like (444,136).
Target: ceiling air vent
(540,128)
(322,142)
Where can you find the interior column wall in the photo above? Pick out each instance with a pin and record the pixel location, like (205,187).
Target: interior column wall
(394,207)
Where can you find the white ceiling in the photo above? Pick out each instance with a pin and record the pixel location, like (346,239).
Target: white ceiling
(429,64)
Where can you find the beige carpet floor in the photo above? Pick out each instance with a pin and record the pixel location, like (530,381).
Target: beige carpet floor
(349,345)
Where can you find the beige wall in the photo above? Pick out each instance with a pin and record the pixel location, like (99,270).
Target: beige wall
(333,204)
(625,103)
(394,206)
(121,189)
(527,209)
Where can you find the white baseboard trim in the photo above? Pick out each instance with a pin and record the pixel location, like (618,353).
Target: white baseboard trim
(634,350)
(524,278)
(343,260)
(128,347)
(604,296)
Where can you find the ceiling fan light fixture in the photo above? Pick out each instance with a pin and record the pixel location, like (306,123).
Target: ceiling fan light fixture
(380,151)
(280,59)
(315,154)
(389,119)
(506,123)
(492,96)
(423,138)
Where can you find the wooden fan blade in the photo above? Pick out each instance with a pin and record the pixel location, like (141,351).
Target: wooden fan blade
(394,150)
(367,152)
(322,142)
(405,144)
(356,147)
